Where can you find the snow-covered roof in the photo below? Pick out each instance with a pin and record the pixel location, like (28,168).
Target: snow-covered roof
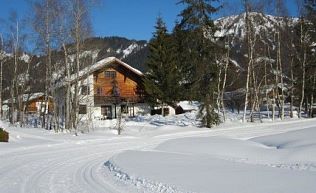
(189,105)
(99,65)
(27,97)
(107,61)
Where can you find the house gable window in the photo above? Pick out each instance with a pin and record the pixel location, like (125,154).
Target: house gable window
(110,74)
(82,109)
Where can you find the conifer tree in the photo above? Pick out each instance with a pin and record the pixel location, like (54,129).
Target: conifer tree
(196,40)
(161,81)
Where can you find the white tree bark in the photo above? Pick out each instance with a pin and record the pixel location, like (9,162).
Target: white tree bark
(292,89)
(224,80)
(303,65)
(249,60)
(1,70)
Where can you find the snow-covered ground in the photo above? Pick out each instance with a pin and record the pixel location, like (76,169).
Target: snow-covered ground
(155,154)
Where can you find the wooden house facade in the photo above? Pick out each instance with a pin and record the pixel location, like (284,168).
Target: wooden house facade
(36,105)
(106,88)
(32,104)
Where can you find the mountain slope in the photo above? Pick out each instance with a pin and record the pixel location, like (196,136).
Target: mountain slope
(131,51)
(235,25)
(264,43)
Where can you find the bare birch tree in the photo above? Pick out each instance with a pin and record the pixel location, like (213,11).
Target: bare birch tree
(281,14)
(14,41)
(81,29)
(44,24)
(250,46)
(2,58)
(64,38)
(302,58)
(24,86)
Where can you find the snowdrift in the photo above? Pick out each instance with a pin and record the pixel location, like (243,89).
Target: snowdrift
(278,163)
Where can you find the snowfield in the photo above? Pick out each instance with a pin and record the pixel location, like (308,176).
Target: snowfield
(156,154)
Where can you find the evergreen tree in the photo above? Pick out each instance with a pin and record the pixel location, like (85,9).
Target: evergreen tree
(161,81)
(196,47)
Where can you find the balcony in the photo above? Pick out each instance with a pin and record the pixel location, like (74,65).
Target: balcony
(102,100)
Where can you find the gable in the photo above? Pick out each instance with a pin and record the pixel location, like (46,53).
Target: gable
(110,77)
(121,71)
(110,62)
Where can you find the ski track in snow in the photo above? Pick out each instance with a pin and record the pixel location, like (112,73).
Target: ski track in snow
(66,168)
(74,167)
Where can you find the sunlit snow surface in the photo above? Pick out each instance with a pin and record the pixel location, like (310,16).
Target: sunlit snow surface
(156,154)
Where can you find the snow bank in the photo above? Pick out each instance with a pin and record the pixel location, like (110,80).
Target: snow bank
(277,163)
(297,146)
(139,182)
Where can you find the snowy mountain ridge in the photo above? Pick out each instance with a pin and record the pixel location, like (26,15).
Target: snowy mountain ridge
(235,25)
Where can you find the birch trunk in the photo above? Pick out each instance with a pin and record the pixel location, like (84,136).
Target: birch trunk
(14,78)
(292,89)
(48,64)
(218,99)
(23,104)
(255,88)
(1,65)
(68,91)
(77,28)
(303,72)
(312,97)
(78,14)
(281,99)
(266,89)
(273,105)
(249,62)
(224,82)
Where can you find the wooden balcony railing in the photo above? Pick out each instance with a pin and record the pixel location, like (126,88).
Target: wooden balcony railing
(101,100)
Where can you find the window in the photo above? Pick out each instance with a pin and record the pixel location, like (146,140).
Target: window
(110,74)
(82,109)
(124,109)
(99,91)
(106,111)
(85,90)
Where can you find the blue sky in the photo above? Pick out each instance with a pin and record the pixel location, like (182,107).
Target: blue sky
(134,19)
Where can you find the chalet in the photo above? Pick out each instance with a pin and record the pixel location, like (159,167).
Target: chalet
(37,103)
(106,88)
(33,103)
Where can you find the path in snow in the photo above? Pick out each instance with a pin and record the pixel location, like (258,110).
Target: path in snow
(36,162)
